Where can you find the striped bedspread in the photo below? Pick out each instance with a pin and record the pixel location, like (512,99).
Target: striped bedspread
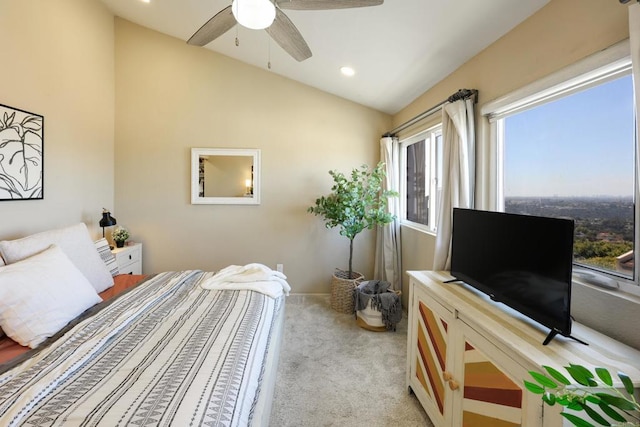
(165,353)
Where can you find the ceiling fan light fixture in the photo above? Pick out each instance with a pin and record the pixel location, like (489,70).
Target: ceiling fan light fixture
(254,14)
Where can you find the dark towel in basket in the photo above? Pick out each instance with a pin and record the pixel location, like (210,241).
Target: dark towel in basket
(386,301)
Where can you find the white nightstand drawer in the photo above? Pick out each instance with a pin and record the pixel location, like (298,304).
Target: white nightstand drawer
(129,259)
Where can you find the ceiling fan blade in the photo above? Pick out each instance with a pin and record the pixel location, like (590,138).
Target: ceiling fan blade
(288,37)
(326,4)
(222,22)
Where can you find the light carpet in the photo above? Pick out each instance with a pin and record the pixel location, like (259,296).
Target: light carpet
(333,373)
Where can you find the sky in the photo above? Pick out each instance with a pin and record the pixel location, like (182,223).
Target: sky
(580,145)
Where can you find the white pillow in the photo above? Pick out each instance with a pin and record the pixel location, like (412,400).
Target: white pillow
(40,295)
(74,241)
(109,259)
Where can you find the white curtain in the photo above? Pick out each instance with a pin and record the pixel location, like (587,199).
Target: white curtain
(388,266)
(458,134)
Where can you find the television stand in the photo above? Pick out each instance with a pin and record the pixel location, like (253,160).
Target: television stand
(553,333)
(468,357)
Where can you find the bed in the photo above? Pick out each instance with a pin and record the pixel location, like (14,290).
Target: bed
(183,348)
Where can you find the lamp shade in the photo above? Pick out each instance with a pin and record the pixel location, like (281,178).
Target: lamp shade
(254,14)
(107,220)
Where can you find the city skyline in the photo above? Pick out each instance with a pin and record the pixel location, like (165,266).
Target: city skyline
(547,155)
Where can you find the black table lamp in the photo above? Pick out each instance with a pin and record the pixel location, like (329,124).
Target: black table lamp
(107,220)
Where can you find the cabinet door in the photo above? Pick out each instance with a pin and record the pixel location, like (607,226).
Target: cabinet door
(430,353)
(492,390)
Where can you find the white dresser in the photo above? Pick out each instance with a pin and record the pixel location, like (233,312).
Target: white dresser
(468,356)
(129,258)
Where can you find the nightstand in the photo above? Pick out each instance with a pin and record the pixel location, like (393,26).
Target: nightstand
(129,258)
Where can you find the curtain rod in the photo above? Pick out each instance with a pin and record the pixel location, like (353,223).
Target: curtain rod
(460,94)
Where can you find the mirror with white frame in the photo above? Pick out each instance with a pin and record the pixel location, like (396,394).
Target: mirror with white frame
(228,176)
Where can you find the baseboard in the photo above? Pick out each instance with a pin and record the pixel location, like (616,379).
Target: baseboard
(307,294)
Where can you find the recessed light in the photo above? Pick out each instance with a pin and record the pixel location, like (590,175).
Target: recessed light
(348,71)
(145,1)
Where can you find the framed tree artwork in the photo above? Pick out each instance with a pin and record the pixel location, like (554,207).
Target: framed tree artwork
(21,154)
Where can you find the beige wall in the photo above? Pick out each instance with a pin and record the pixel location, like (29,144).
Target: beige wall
(560,34)
(58,61)
(171,97)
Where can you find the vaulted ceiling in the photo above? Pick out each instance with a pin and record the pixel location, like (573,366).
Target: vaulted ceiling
(398,49)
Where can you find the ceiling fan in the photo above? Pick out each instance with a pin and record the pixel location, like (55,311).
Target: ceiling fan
(281,29)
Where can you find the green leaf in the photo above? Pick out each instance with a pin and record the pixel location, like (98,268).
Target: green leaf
(533,388)
(563,401)
(605,376)
(576,406)
(628,385)
(611,413)
(543,380)
(557,375)
(580,374)
(577,421)
(592,383)
(549,398)
(587,373)
(593,399)
(596,417)
(616,401)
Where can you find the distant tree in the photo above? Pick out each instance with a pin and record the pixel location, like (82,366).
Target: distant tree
(600,253)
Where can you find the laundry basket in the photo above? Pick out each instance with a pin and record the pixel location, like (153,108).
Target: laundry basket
(369,316)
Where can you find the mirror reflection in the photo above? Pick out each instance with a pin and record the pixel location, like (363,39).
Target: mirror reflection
(224,176)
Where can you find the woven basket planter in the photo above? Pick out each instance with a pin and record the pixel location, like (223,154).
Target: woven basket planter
(342,288)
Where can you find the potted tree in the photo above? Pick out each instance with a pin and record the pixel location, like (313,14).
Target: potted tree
(354,204)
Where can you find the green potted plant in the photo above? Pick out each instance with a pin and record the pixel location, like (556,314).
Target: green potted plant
(590,393)
(120,235)
(355,203)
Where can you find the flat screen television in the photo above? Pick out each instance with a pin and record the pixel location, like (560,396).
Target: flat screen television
(522,261)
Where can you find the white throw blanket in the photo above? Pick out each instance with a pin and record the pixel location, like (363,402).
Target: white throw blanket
(251,277)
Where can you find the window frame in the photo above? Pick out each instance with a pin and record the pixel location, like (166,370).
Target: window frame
(604,66)
(428,135)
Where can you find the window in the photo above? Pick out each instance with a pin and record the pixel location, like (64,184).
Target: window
(421,164)
(573,156)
